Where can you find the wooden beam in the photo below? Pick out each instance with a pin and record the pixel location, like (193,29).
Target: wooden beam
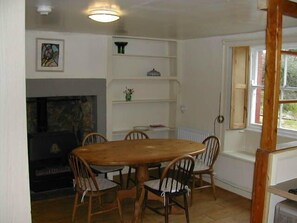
(272,78)
(288,101)
(289,8)
(292,53)
(271,105)
(259,185)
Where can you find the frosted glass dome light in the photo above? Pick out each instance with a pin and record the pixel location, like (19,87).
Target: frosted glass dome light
(104,15)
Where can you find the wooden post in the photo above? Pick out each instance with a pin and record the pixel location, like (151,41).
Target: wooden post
(271,107)
(272,79)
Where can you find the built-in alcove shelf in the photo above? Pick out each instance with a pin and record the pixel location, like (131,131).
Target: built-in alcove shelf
(144,101)
(146,56)
(144,78)
(155,98)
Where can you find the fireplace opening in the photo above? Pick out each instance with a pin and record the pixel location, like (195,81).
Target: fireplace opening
(56,125)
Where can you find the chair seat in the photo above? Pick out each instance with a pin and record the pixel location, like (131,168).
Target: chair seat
(200,166)
(86,184)
(152,165)
(172,185)
(106,169)
(102,183)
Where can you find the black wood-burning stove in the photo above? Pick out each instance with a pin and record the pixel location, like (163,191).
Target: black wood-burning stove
(48,153)
(48,160)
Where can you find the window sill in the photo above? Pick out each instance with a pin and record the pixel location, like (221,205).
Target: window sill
(280,132)
(241,155)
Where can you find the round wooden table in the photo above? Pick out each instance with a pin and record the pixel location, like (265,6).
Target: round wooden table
(138,153)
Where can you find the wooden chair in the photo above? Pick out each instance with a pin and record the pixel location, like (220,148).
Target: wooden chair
(138,135)
(204,163)
(88,185)
(93,138)
(173,183)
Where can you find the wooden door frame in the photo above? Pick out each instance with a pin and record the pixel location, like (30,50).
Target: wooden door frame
(276,10)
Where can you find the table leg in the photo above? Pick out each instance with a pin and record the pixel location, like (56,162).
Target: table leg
(142,176)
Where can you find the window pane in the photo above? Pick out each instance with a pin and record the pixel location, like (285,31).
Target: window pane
(289,94)
(257,106)
(289,116)
(259,78)
(291,71)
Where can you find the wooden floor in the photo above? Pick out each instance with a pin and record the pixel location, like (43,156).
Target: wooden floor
(228,208)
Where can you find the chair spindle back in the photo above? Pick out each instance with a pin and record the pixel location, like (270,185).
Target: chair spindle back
(211,152)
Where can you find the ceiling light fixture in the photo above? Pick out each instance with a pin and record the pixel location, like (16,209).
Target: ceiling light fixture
(44,9)
(104,15)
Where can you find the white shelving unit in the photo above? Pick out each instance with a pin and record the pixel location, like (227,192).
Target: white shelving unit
(155,98)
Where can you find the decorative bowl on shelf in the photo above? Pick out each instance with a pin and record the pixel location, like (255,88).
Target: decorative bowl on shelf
(141,128)
(153,72)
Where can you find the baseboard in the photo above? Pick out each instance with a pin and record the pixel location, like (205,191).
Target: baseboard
(234,189)
(229,186)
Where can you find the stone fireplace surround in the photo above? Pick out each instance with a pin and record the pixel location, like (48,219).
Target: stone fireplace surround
(56,88)
(72,87)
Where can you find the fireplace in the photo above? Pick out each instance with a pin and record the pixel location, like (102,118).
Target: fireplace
(76,114)
(60,112)
(48,164)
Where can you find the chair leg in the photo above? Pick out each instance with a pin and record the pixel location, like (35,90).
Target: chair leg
(121,178)
(120,209)
(128,177)
(90,209)
(166,208)
(213,186)
(201,180)
(159,171)
(74,206)
(192,190)
(186,208)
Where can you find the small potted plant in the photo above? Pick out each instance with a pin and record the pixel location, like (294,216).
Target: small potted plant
(128,93)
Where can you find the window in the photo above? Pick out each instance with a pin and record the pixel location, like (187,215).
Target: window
(288,88)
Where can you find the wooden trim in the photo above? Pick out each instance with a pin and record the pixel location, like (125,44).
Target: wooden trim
(272,80)
(289,52)
(271,107)
(288,101)
(289,8)
(259,185)
(239,95)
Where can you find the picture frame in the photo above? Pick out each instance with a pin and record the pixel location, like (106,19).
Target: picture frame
(49,55)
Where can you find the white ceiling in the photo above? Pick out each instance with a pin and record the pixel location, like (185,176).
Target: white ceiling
(174,19)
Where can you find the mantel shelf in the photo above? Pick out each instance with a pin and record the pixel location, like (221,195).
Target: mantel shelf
(143,101)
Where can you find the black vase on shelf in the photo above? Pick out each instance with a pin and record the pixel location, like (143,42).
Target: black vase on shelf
(121,47)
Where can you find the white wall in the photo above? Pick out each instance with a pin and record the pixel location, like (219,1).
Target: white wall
(85,55)
(201,82)
(204,78)
(14,174)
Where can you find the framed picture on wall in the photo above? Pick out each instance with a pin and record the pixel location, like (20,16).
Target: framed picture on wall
(49,55)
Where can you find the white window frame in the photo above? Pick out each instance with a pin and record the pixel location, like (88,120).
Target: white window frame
(253,68)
